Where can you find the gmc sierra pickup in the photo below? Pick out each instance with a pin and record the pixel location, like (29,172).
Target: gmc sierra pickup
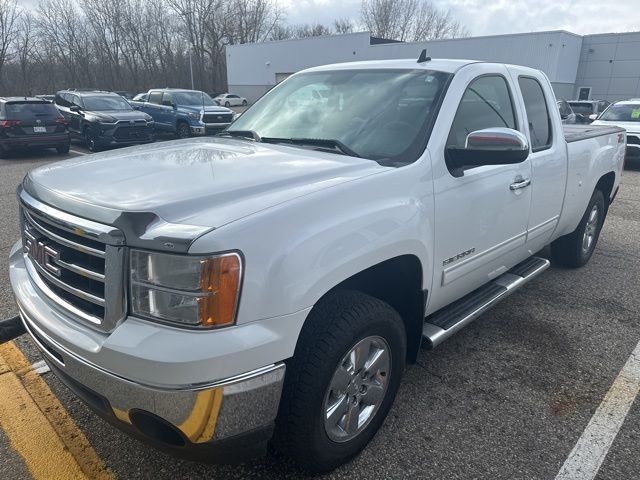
(209,295)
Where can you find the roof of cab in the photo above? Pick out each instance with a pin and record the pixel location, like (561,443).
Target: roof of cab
(438,64)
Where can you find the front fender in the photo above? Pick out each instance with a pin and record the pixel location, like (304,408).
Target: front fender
(298,251)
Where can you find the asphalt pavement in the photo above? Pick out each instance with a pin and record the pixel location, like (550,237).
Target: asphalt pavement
(506,398)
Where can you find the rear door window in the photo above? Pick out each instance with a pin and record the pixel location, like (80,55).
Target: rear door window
(167,99)
(535,105)
(30,110)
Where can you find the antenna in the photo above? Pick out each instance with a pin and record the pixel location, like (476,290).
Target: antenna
(423,57)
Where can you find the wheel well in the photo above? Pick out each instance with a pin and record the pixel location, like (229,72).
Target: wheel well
(398,282)
(605,185)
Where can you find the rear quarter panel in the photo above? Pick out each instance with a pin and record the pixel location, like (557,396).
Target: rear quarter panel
(589,161)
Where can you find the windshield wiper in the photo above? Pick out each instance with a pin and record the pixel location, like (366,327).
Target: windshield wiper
(249,134)
(331,144)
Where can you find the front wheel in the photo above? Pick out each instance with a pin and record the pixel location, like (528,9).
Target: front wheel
(575,249)
(227,104)
(342,379)
(244,103)
(183,130)
(90,140)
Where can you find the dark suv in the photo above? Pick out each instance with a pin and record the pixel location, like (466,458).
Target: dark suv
(103,119)
(29,122)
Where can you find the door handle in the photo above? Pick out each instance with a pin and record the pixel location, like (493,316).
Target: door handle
(520,184)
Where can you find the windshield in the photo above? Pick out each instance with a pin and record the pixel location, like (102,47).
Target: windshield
(107,102)
(582,108)
(30,110)
(622,113)
(192,98)
(377,114)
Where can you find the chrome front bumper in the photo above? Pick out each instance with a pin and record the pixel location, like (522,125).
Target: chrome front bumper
(223,409)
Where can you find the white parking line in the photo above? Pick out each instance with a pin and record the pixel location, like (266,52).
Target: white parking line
(40,367)
(587,456)
(77,151)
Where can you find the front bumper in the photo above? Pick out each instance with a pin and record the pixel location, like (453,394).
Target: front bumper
(226,420)
(208,128)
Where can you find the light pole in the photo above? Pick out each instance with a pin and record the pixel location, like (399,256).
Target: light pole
(191,67)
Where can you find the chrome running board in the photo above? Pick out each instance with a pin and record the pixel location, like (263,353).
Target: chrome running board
(445,322)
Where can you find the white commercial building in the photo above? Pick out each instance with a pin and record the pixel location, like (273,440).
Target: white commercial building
(605,66)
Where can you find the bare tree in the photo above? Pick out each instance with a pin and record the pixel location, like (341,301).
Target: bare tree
(25,49)
(9,14)
(343,25)
(409,20)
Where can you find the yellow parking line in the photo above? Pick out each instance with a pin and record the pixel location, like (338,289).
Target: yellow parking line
(38,426)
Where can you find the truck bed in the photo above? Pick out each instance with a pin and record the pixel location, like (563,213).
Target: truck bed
(574,133)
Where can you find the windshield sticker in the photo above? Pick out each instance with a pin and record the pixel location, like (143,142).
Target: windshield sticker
(635,113)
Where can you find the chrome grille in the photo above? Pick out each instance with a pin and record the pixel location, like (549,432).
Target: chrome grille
(217,117)
(70,261)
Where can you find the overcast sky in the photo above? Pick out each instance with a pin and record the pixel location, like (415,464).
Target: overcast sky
(488,17)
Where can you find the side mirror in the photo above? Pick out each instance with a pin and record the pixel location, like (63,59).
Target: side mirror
(593,116)
(74,108)
(490,146)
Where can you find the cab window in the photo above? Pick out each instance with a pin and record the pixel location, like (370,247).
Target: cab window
(535,104)
(167,99)
(486,103)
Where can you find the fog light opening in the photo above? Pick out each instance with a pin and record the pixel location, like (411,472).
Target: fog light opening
(156,428)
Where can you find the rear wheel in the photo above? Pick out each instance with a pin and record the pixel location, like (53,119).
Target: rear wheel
(62,149)
(575,249)
(183,130)
(342,379)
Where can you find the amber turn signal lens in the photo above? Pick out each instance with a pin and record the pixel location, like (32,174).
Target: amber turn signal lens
(220,279)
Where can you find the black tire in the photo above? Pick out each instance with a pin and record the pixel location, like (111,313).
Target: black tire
(244,103)
(90,140)
(4,154)
(570,250)
(227,104)
(334,327)
(183,130)
(63,149)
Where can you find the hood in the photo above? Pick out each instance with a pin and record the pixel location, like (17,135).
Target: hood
(628,126)
(202,182)
(115,115)
(207,109)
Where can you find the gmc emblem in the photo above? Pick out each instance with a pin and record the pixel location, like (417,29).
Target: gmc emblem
(41,253)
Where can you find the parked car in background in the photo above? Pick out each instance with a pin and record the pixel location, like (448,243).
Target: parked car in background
(567,114)
(103,119)
(30,122)
(140,97)
(588,110)
(231,100)
(184,112)
(625,114)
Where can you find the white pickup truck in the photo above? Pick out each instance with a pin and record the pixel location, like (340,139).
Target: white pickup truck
(209,295)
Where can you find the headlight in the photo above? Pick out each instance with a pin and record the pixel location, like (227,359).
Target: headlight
(186,290)
(195,116)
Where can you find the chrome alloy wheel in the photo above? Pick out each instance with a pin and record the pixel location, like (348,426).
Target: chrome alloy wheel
(590,229)
(357,388)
